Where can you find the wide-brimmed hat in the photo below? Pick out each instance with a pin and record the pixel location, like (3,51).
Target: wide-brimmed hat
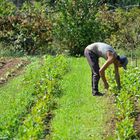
(124,61)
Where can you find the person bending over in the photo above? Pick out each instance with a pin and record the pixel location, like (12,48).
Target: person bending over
(96,50)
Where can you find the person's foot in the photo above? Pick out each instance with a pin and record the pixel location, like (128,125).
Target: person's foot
(98,94)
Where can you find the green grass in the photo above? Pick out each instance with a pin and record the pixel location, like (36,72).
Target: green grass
(80,116)
(9,94)
(13,103)
(12,93)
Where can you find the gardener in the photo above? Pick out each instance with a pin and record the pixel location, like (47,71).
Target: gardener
(96,50)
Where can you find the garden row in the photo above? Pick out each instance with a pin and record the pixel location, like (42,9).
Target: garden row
(126,101)
(43,82)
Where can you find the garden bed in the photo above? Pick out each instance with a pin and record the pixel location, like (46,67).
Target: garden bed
(11,67)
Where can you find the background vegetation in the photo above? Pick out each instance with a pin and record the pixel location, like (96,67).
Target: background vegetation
(33,27)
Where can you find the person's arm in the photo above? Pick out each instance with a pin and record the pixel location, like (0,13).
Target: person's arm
(109,61)
(117,76)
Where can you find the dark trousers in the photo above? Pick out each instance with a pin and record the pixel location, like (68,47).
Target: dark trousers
(93,61)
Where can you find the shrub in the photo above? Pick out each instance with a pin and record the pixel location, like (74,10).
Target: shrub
(28,31)
(121,27)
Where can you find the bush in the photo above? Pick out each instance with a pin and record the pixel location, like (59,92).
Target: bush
(28,31)
(121,27)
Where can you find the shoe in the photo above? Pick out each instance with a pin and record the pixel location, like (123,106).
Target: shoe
(98,94)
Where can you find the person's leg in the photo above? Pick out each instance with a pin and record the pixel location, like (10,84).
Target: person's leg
(95,80)
(93,61)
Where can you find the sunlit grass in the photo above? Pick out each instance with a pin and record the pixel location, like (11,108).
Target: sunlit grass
(80,116)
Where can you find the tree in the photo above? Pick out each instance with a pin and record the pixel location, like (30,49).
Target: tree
(75,24)
(122,28)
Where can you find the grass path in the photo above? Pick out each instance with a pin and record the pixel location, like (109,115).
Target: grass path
(80,116)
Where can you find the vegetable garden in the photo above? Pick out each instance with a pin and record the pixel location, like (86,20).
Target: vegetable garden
(45,82)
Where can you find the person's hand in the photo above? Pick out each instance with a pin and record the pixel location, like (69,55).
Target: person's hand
(100,73)
(106,85)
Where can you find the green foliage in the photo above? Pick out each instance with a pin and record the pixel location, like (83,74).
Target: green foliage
(121,27)
(81,23)
(122,3)
(125,102)
(76,26)
(34,124)
(14,105)
(29,31)
(6,8)
(44,82)
(125,130)
(71,25)
(24,116)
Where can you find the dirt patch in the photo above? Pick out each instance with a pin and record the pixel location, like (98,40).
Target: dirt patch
(137,120)
(10,67)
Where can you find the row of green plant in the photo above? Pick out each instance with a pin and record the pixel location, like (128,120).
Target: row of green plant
(126,100)
(43,82)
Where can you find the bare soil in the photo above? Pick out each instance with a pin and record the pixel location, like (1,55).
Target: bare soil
(137,121)
(11,67)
